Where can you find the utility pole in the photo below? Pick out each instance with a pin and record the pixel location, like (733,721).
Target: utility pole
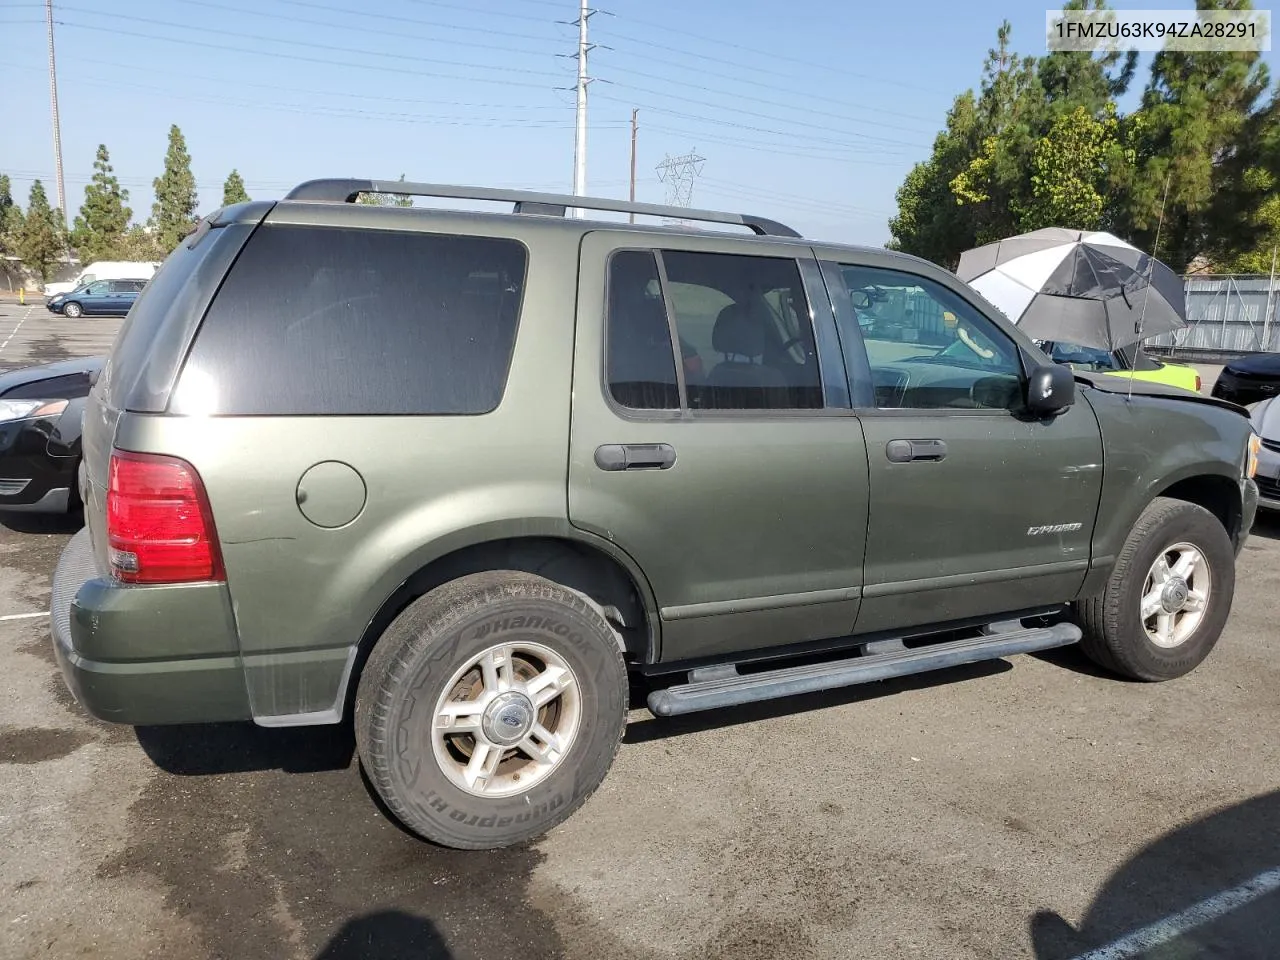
(580,135)
(634,113)
(57,126)
(1271,289)
(679,173)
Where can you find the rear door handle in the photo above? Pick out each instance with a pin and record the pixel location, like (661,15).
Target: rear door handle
(635,456)
(904,451)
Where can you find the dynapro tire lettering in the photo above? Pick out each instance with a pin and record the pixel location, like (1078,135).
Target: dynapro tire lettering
(440,805)
(509,624)
(1053,528)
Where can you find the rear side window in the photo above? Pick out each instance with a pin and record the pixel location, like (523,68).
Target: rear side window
(744,329)
(323,320)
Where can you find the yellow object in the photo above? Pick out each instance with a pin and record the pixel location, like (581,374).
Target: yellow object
(1255,442)
(22,295)
(948,319)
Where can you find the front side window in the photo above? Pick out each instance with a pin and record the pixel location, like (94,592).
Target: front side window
(743,325)
(927,347)
(98,289)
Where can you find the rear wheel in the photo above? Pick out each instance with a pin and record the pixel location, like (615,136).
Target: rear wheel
(1168,596)
(491,709)
(72,310)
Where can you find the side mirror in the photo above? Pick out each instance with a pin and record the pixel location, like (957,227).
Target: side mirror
(1050,390)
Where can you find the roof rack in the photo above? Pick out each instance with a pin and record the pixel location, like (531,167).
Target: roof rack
(525,201)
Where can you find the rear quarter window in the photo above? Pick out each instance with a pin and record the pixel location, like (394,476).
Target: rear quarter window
(327,320)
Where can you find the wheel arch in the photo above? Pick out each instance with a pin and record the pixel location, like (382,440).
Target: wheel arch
(601,572)
(1218,494)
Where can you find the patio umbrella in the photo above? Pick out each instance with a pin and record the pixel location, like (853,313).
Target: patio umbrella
(1077,286)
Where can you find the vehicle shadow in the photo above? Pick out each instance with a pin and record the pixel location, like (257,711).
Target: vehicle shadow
(1266,525)
(42,522)
(386,935)
(1210,889)
(660,728)
(197,750)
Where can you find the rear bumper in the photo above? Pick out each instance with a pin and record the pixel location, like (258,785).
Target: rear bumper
(144,655)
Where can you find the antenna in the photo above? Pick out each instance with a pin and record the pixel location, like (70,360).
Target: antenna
(1151,264)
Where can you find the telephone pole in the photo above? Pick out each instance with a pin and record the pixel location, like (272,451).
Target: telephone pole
(634,113)
(580,135)
(53,99)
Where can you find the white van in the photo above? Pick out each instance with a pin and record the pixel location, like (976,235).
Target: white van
(104,270)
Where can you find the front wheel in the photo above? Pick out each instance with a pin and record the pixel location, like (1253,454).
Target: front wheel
(491,709)
(1168,597)
(72,310)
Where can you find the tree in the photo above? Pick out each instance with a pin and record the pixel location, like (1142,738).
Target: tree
(139,244)
(1197,112)
(104,218)
(10,219)
(386,199)
(1069,172)
(42,240)
(233,190)
(173,214)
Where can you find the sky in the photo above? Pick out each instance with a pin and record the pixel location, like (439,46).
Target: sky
(810,111)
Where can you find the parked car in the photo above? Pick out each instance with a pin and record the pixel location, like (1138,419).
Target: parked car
(1131,361)
(1249,379)
(40,415)
(102,298)
(445,473)
(103,270)
(1266,421)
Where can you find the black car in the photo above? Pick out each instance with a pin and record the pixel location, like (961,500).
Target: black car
(1249,379)
(41,409)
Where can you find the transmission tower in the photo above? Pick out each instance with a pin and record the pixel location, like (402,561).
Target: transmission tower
(679,173)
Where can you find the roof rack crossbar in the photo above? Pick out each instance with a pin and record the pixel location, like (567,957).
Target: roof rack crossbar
(525,201)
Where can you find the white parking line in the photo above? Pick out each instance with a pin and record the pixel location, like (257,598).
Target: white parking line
(23,616)
(1162,931)
(14,331)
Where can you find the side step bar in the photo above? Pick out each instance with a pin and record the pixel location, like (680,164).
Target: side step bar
(725,687)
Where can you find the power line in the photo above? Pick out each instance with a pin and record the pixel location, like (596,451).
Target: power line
(363,29)
(472,10)
(871,142)
(241,35)
(487,31)
(238,81)
(806,94)
(277,55)
(808,63)
(836,154)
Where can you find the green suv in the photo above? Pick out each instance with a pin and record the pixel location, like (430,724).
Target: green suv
(459,478)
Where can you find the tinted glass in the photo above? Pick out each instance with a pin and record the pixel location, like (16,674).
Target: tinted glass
(98,289)
(320,320)
(54,388)
(927,346)
(746,333)
(1087,358)
(641,363)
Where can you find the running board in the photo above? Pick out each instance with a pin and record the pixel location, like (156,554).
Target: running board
(725,687)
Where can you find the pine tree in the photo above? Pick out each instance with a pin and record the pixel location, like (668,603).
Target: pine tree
(42,240)
(173,214)
(104,218)
(10,219)
(233,190)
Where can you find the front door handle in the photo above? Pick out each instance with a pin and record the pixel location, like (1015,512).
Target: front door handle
(905,451)
(635,456)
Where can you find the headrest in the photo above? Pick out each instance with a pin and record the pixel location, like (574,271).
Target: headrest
(738,332)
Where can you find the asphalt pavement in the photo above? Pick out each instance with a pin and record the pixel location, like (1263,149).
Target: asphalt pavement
(1027,808)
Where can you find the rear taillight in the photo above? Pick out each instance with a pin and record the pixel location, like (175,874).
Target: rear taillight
(159,525)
